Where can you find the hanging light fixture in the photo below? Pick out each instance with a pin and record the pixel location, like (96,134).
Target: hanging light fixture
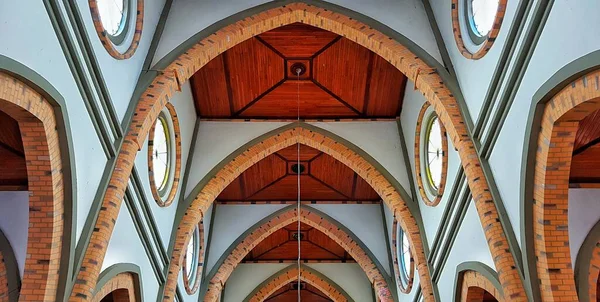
(298,71)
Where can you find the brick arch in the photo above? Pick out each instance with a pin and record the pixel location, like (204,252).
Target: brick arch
(280,220)
(121,286)
(38,126)
(290,274)
(593,274)
(474,286)
(425,78)
(559,124)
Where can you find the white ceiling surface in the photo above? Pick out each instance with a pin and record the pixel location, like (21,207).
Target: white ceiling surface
(188,17)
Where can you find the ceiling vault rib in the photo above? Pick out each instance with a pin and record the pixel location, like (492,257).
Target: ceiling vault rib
(11,149)
(586,146)
(354,180)
(270,47)
(368,83)
(328,186)
(339,99)
(403,82)
(316,54)
(267,186)
(326,250)
(228,82)
(237,114)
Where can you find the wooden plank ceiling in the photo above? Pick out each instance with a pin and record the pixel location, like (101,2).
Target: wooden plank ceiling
(289,292)
(256,79)
(585,165)
(282,246)
(322,178)
(13,168)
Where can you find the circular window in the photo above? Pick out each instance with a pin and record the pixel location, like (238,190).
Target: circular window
(431,156)
(404,265)
(112,19)
(481,14)
(164,156)
(193,260)
(480,21)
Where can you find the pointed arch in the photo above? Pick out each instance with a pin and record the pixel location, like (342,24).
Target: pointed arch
(477,282)
(308,275)
(122,281)
(377,38)
(559,120)
(246,242)
(39,130)
(587,266)
(10,279)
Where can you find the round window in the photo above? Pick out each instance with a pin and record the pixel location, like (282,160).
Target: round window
(435,153)
(192,263)
(482,14)
(403,263)
(431,158)
(164,160)
(112,15)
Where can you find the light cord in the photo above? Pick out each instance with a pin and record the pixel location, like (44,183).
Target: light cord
(298,171)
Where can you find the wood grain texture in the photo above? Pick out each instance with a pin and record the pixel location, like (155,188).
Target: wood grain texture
(298,40)
(210,91)
(588,132)
(13,167)
(308,293)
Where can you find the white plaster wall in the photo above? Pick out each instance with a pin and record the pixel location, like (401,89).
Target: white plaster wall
(216,140)
(14,223)
(125,246)
(188,17)
(366,222)
(121,76)
(381,140)
(184,107)
(31,41)
(413,101)
(246,277)
(473,75)
(349,276)
(470,245)
(231,221)
(562,41)
(584,213)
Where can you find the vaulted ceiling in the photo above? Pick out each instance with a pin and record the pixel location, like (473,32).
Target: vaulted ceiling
(585,165)
(322,178)
(282,246)
(13,169)
(289,292)
(257,79)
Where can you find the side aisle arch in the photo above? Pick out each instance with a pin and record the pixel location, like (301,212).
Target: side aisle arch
(426,79)
(290,274)
(476,281)
(559,121)
(39,132)
(312,217)
(122,282)
(587,266)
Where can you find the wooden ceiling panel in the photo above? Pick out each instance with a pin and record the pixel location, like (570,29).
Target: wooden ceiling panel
(333,173)
(364,191)
(386,89)
(585,166)
(282,102)
(298,40)
(233,191)
(287,189)
(291,153)
(343,68)
(13,170)
(289,292)
(588,131)
(252,69)
(262,174)
(272,241)
(209,88)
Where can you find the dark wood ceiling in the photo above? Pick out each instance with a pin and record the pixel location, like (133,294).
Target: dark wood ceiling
(289,292)
(255,79)
(282,246)
(585,165)
(13,168)
(323,179)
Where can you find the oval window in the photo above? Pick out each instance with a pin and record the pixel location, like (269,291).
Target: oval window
(192,264)
(161,153)
(482,14)
(404,266)
(435,153)
(112,15)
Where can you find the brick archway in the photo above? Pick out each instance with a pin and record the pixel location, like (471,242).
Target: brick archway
(475,286)
(38,126)
(274,143)
(559,126)
(426,80)
(313,219)
(593,274)
(290,274)
(121,287)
